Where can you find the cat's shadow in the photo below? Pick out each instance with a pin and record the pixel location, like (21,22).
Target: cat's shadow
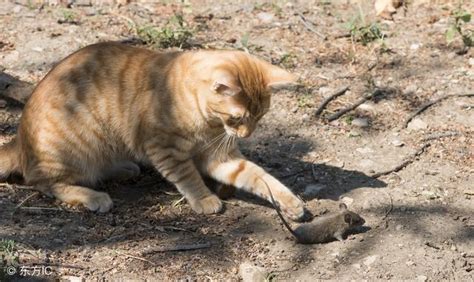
(331,182)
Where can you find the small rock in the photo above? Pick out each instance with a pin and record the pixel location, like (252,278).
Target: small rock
(410,263)
(17,9)
(410,89)
(415,46)
(71,278)
(313,190)
(417,124)
(367,107)
(3,103)
(356,265)
(305,117)
(265,17)
(421,278)
(399,227)
(251,273)
(368,261)
(471,62)
(430,195)
(346,200)
(365,150)
(37,49)
(454,248)
(360,122)
(397,143)
(355,133)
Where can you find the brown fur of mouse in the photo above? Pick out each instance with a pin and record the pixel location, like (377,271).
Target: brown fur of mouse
(324,228)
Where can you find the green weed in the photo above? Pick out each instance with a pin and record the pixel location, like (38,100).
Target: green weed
(175,33)
(460,18)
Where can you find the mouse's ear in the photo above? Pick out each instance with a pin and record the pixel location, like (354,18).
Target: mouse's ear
(342,206)
(348,218)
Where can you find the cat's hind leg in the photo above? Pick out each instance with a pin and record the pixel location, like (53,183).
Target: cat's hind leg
(79,195)
(121,171)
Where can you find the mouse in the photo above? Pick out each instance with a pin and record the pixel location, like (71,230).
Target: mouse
(325,228)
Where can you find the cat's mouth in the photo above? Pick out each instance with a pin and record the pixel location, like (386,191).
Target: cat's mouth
(231,131)
(240,132)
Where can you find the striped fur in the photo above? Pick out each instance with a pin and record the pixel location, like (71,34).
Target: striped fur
(108,106)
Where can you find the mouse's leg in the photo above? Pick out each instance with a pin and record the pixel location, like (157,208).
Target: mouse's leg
(338,236)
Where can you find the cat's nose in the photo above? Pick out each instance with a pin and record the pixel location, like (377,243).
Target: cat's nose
(244,132)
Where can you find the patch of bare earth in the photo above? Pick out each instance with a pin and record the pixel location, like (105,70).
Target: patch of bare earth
(420,217)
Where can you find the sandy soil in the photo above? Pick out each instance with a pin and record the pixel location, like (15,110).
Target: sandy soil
(420,220)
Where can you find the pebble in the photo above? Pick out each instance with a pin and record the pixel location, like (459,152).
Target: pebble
(71,278)
(305,117)
(410,89)
(415,46)
(265,17)
(399,227)
(417,124)
(410,263)
(366,107)
(397,143)
(347,200)
(365,150)
(421,278)
(3,103)
(430,195)
(251,273)
(368,261)
(313,190)
(360,122)
(471,62)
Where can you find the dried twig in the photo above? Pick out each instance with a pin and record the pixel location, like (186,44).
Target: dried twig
(138,258)
(440,135)
(177,248)
(431,245)
(13,186)
(390,208)
(408,161)
(34,194)
(362,100)
(330,98)
(310,26)
(431,103)
(40,209)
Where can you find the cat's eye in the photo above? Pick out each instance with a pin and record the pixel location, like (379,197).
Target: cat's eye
(234,120)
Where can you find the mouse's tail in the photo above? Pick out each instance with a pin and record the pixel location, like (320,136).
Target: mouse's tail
(277,208)
(9,159)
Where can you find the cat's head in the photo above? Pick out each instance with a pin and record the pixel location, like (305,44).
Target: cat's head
(239,90)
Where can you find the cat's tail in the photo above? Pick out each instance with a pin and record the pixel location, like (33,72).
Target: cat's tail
(9,159)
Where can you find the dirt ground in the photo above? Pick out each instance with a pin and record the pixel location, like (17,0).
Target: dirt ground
(419,220)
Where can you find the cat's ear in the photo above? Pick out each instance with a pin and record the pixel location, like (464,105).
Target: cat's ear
(277,78)
(225,85)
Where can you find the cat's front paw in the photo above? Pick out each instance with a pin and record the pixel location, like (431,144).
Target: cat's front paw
(293,208)
(207,205)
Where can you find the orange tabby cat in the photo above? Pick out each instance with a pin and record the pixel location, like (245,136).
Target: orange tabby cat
(109,105)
